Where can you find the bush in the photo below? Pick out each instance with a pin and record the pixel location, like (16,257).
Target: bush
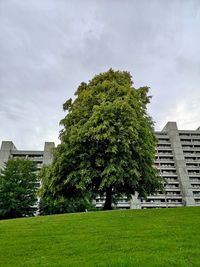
(48,205)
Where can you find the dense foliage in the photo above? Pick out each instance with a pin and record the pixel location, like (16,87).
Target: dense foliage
(18,187)
(107,142)
(51,204)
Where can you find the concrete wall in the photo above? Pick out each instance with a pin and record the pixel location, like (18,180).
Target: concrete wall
(5,152)
(181,168)
(48,155)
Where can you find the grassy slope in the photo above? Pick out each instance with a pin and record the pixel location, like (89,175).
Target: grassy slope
(157,237)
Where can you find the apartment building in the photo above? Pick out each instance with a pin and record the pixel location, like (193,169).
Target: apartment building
(8,151)
(177,159)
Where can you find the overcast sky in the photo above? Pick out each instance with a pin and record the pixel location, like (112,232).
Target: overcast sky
(48,47)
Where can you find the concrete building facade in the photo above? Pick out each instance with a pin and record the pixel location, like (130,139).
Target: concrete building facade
(177,159)
(8,151)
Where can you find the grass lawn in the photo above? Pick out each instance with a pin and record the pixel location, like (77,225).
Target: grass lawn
(156,237)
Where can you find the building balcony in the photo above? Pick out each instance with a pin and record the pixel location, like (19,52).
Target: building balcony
(195,186)
(196,160)
(158,196)
(170,174)
(174,189)
(185,136)
(164,153)
(160,135)
(164,148)
(196,191)
(195,174)
(191,167)
(163,160)
(37,159)
(174,196)
(161,205)
(192,150)
(167,167)
(189,141)
(122,205)
(196,143)
(172,181)
(164,142)
(185,147)
(163,196)
(189,154)
(196,196)
(26,152)
(195,182)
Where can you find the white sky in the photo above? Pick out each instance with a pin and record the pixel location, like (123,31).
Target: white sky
(48,47)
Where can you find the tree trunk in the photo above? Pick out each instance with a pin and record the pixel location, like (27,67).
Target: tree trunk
(108,202)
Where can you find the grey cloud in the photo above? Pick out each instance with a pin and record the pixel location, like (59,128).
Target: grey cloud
(48,47)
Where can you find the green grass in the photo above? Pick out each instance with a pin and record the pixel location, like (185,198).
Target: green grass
(156,237)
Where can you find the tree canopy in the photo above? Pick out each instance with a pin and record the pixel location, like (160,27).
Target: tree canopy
(18,186)
(107,142)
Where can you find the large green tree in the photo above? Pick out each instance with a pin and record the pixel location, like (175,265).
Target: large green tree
(18,187)
(107,142)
